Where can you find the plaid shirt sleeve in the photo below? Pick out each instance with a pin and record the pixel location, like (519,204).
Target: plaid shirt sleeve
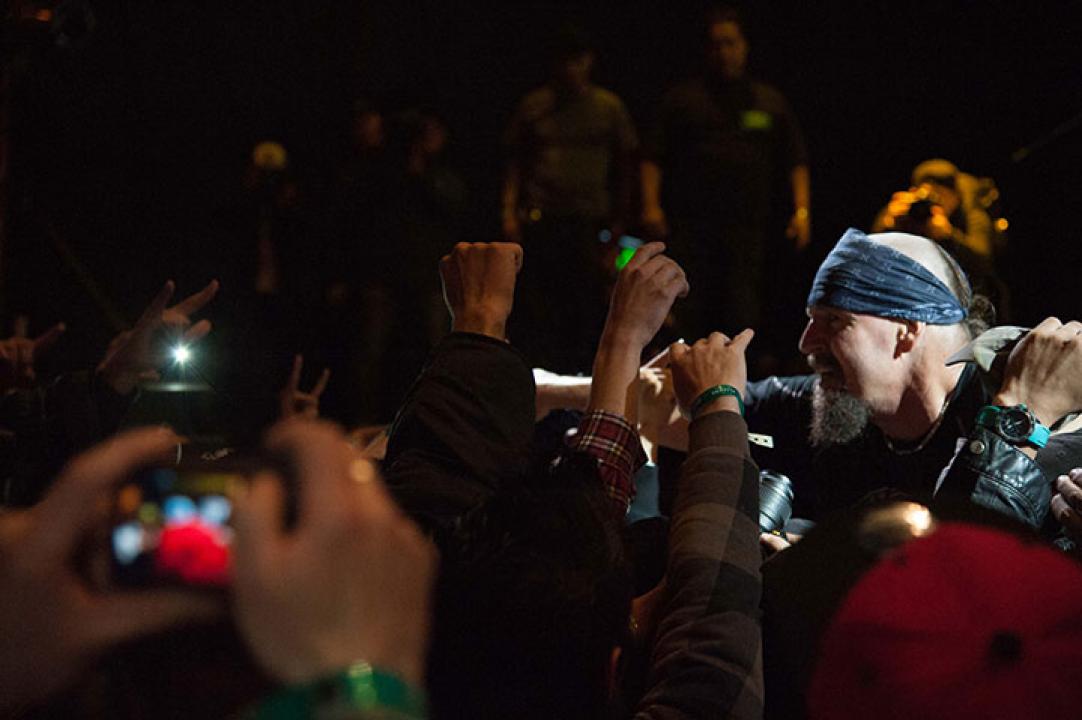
(615,444)
(707,655)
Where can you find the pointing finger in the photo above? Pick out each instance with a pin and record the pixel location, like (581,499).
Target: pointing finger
(198,331)
(157,306)
(194,303)
(295,374)
(741,341)
(321,384)
(644,255)
(48,338)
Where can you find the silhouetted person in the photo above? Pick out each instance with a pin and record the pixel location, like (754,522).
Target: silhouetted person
(569,176)
(722,147)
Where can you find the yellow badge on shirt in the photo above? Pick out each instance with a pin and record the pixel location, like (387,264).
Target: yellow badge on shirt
(756,120)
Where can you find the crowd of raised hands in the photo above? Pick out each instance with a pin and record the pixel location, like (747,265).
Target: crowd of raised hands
(351,581)
(305,599)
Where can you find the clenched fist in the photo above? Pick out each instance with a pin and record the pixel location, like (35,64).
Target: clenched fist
(479,286)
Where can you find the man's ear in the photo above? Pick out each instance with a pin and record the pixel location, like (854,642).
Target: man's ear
(909,332)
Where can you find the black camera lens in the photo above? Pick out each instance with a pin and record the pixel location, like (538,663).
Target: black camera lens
(775,500)
(920,211)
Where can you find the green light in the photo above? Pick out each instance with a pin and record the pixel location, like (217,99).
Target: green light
(624,257)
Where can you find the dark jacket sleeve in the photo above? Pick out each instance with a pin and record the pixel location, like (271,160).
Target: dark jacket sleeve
(707,659)
(992,473)
(464,429)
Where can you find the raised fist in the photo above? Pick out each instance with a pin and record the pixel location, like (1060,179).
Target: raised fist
(479,286)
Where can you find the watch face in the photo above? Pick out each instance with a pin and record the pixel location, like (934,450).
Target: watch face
(1015,424)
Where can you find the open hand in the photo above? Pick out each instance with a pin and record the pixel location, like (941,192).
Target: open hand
(18,355)
(135,355)
(54,624)
(351,582)
(293,402)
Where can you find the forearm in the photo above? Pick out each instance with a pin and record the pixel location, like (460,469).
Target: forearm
(616,369)
(464,429)
(623,186)
(614,443)
(650,173)
(510,192)
(560,392)
(800,180)
(481,321)
(714,583)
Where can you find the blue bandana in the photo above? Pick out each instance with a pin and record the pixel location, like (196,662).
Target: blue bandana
(867,277)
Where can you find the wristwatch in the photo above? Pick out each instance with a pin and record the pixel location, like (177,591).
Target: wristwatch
(1015,424)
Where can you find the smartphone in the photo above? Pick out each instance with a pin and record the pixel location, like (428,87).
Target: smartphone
(627,245)
(172,526)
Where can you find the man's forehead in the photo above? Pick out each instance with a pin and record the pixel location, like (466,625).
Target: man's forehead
(813,311)
(821,311)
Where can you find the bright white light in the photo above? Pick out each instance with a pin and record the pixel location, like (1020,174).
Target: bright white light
(919,519)
(181,354)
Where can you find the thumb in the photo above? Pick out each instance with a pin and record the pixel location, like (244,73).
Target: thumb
(257,520)
(118,617)
(741,341)
(517,254)
(49,337)
(677,352)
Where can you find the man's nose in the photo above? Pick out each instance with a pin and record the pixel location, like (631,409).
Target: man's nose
(811,340)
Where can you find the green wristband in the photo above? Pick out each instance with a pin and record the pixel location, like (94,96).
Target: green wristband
(360,688)
(711,394)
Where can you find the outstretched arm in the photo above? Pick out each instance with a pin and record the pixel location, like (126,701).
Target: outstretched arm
(466,424)
(707,659)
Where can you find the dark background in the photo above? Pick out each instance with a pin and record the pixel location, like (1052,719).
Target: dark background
(125,144)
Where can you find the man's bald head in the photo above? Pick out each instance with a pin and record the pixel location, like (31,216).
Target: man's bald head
(938,261)
(895,276)
(933,257)
(885,311)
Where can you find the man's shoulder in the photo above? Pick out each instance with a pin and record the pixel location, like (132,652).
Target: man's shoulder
(537,101)
(606,98)
(767,97)
(781,388)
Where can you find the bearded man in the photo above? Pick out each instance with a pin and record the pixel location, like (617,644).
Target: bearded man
(889,409)
(885,413)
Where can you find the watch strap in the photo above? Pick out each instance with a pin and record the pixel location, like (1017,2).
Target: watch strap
(988,418)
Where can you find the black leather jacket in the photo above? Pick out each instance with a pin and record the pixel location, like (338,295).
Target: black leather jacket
(995,474)
(960,460)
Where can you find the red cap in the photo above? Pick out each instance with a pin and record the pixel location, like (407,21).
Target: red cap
(967,622)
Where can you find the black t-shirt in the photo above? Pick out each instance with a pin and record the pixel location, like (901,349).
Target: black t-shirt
(723,147)
(826,480)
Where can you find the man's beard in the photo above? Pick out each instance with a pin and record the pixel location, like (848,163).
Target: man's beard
(837,417)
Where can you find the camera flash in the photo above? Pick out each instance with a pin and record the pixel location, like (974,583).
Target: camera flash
(181,354)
